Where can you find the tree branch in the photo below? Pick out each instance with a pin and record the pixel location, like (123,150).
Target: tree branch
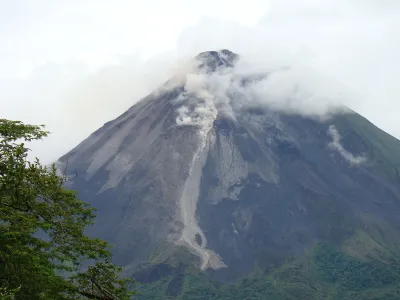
(93,296)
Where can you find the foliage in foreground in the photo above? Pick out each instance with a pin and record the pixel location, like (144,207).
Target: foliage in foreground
(44,253)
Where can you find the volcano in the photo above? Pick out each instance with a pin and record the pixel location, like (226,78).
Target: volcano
(201,176)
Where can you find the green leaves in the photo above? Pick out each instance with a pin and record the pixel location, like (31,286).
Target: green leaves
(44,253)
(7,294)
(324,273)
(14,130)
(102,280)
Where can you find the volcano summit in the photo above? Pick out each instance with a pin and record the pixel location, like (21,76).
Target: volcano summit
(212,170)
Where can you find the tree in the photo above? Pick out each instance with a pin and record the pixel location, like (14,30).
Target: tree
(44,253)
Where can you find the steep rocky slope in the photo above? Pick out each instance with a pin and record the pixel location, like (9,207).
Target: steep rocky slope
(237,184)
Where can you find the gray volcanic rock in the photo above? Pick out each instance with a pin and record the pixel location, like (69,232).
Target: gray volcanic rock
(240,188)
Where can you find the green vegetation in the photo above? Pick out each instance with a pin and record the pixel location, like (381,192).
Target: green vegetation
(325,273)
(383,149)
(44,253)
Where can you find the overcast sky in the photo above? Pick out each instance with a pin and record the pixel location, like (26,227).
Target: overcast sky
(74,65)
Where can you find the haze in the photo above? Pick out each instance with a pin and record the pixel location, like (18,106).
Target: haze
(74,65)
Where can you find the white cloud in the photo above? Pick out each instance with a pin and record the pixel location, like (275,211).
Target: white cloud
(73,101)
(356,42)
(292,90)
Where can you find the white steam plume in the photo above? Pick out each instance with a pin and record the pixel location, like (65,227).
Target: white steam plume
(293,90)
(336,145)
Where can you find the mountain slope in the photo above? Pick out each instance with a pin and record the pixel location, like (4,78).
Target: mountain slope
(237,184)
(324,273)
